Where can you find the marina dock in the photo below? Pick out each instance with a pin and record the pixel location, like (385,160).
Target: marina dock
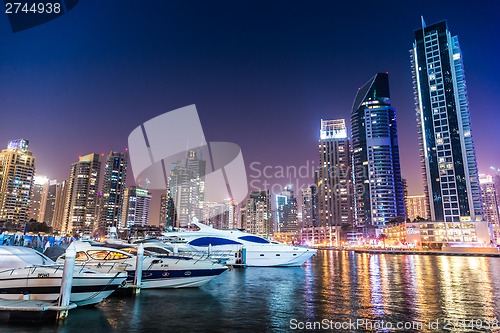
(17,311)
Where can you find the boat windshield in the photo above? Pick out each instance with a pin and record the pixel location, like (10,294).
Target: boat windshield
(254,239)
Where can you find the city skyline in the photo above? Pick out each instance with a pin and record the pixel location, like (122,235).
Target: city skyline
(306,79)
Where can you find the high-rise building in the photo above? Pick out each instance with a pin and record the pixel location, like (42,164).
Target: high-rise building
(55,204)
(490,204)
(115,176)
(447,151)
(256,216)
(136,203)
(307,206)
(404,182)
(496,180)
(416,206)
(80,214)
(377,173)
(168,214)
(38,198)
(187,187)
(286,211)
(310,206)
(220,215)
(333,183)
(17,169)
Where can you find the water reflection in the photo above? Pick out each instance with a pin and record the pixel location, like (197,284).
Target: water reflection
(335,285)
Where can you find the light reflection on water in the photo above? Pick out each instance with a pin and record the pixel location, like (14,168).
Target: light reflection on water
(338,286)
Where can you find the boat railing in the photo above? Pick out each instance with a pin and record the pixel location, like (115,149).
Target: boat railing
(33,268)
(102,266)
(215,256)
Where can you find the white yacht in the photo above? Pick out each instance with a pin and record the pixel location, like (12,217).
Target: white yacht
(28,274)
(169,271)
(242,248)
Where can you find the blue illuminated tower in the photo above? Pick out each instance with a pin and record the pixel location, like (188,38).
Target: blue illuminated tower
(378,187)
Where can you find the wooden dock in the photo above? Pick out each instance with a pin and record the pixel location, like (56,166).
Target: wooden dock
(28,311)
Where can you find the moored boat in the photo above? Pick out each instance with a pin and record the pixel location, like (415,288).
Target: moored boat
(28,274)
(240,247)
(170,271)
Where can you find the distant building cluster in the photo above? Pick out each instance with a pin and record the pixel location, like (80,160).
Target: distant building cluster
(78,205)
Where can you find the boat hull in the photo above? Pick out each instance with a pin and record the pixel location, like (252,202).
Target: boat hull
(175,278)
(86,290)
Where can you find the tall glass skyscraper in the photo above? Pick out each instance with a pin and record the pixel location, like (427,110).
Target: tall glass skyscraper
(378,187)
(113,189)
(447,151)
(80,213)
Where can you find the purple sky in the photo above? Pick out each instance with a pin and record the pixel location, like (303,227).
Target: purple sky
(261,73)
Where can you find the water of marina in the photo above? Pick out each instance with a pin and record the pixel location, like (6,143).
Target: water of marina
(340,291)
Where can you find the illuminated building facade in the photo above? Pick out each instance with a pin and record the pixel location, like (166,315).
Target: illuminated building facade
(115,176)
(187,187)
(219,215)
(256,216)
(377,181)
(286,211)
(136,203)
(333,177)
(447,151)
(490,205)
(310,206)
(38,198)
(55,204)
(416,206)
(17,169)
(80,214)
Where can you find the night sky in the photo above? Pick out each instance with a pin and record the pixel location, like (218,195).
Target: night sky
(261,73)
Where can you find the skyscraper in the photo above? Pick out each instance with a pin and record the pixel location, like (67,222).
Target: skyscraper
(55,204)
(404,183)
(168,215)
(38,198)
(490,204)
(17,168)
(256,216)
(308,206)
(447,151)
(82,199)
(286,211)
(187,187)
(136,203)
(333,177)
(377,179)
(115,175)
